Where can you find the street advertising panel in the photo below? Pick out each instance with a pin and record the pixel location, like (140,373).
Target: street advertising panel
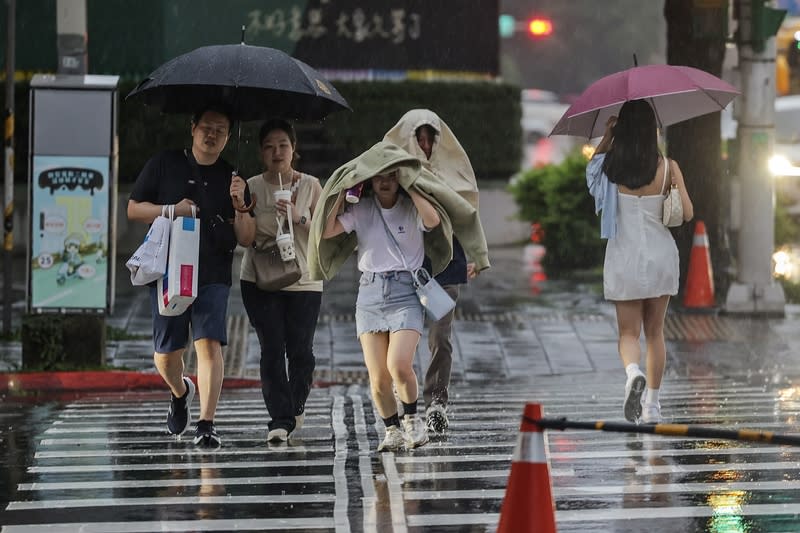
(69,233)
(72,191)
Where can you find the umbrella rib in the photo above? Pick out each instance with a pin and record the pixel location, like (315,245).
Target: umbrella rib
(594,123)
(721,107)
(655,111)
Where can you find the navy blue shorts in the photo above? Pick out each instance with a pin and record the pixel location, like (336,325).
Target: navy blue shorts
(206,315)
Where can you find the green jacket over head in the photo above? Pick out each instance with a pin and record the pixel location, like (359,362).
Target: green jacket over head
(458,216)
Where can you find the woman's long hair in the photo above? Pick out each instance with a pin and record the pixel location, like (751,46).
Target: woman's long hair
(633,157)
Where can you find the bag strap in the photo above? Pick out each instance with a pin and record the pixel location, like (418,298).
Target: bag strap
(393,239)
(666,168)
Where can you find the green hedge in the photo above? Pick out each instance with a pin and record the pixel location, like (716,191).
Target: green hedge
(485,116)
(556,197)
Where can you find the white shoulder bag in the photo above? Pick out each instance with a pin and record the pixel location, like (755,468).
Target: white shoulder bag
(673,207)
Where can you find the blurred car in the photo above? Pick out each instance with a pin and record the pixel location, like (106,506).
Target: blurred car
(786,158)
(540,112)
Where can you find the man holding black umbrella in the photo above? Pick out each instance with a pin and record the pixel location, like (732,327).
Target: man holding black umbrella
(184,178)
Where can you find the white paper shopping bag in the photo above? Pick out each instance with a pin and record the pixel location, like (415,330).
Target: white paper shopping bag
(178,288)
(149,261)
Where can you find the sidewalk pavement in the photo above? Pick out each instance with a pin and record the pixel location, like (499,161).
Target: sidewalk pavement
(508,329)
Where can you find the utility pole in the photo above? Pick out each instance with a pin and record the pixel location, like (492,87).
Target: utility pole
(73,58)
(71,37)
(755,291)
(8,141)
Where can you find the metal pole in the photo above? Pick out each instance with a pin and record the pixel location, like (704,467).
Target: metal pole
(8,141)
(71,37)
(755,291)
(672,430)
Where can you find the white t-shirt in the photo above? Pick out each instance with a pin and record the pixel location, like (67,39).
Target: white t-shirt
(376,251)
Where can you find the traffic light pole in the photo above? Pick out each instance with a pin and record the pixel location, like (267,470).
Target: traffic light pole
(8,141)
(755,291)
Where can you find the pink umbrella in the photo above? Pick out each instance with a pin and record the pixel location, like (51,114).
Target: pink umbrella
(676,93)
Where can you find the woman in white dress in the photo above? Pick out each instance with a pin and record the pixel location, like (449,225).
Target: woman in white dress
(628,178)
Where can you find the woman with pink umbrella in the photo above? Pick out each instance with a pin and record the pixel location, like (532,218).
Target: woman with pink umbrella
(628,178)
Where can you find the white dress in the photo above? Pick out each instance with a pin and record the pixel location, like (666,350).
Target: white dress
(642,259)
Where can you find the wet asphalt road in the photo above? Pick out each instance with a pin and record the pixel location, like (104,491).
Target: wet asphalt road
(104,463)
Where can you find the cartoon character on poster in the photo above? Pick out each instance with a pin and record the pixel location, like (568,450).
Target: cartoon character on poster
(70,210)
(71,259)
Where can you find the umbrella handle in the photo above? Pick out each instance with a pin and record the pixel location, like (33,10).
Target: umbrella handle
(247,208)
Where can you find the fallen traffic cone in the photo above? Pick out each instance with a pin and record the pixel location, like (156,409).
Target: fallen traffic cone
(528,506)
(699,290)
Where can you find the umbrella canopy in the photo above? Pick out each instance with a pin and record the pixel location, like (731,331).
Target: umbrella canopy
(254,82)
(676,93)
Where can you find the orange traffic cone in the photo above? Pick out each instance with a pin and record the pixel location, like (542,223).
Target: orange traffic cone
(528,506)
(699,290)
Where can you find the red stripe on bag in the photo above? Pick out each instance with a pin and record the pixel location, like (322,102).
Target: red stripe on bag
(187,273)
(165,291)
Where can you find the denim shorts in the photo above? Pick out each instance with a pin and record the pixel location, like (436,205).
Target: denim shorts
(207,316)
(387,301)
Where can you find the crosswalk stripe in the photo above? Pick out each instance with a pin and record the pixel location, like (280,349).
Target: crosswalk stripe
(74,454)
(652,513)
(177,526)
(143,483)
(165,500)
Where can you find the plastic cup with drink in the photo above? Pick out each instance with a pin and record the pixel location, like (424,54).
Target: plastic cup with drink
(285,241)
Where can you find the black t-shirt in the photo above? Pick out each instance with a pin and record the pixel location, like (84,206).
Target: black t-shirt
(168,178)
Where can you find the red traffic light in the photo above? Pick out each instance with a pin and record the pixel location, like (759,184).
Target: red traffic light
(540,27)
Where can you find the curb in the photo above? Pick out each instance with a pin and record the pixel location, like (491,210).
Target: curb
(96,381)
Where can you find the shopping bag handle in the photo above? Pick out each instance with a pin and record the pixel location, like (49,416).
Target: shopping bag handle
(169,210)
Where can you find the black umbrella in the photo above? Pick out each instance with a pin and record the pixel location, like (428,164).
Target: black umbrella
(253,82)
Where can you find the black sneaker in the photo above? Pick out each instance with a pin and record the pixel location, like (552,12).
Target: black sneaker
(206,435)
(436,418)
(179,416)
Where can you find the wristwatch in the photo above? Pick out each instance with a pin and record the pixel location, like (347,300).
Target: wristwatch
(303,220)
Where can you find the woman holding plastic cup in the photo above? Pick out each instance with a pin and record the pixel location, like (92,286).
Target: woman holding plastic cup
(284,320)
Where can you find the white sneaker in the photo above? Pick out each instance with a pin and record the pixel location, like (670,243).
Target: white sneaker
(634,387)
(278,435)
(393,440)
(298,421)
(416,430)
(651,413)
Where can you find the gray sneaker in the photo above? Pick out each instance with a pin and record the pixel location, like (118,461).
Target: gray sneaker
(436,418)
(278,435)
(393,440)
(416,432)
